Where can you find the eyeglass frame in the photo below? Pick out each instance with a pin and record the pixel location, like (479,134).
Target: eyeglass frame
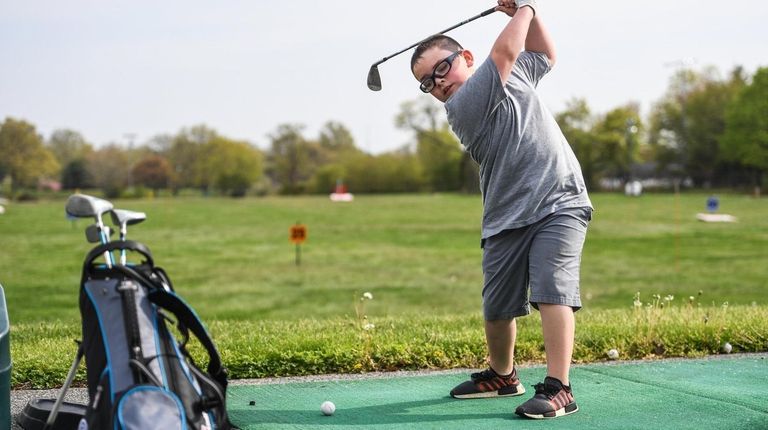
(431,78)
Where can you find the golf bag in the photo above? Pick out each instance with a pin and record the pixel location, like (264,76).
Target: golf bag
(139,375)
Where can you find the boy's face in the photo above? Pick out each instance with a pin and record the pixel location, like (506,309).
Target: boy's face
(442,72)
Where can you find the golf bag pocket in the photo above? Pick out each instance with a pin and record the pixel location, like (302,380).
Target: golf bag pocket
(146,407)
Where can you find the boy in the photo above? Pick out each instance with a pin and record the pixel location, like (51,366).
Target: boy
(535,204)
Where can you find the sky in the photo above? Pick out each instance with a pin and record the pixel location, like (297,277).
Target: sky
(125,71)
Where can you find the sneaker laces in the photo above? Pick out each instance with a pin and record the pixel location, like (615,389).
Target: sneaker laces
(548,390)
(485,375)
(488,374)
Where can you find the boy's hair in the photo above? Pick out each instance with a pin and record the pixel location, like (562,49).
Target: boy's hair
(438,40)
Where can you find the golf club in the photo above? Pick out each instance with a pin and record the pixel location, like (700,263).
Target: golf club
(93,233)
(84,206)
(123,218)
(374,79)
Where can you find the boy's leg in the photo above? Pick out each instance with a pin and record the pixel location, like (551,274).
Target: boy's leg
(555,260)
(558,326)
(505,270)
(500,336)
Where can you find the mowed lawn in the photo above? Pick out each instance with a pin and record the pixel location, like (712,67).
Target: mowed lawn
(417,254)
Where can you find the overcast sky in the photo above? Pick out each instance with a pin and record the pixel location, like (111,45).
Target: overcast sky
(113,70)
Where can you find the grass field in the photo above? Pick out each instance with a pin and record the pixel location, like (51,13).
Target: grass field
(417,254)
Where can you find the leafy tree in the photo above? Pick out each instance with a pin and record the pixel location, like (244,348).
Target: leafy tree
(71,149)
(745,138)
(231,167)
(616,142)
(441,157)
(686,123)
(109,168)
(153,171)
(419,115)
(24,157)
(336,138)
(290,159)
(75,175)
(397,171)
(326,177)
(444,163)
(576,122)
(329,157)
(183,153)
(68,145)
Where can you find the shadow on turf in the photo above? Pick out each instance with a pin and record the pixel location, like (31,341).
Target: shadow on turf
(381,414)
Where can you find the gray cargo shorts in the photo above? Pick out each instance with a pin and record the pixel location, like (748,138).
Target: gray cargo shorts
(543,257)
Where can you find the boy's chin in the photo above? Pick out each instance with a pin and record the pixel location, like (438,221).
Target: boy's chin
(441,98)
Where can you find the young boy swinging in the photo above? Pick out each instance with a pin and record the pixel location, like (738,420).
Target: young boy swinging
(535,205)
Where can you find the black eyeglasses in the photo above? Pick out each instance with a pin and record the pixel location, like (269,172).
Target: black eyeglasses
(441,69)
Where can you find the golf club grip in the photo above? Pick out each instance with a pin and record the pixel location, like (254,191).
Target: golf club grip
(468,20)
(128,245)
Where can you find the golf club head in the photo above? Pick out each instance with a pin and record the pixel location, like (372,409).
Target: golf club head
(93,235)
(122,217)
(374,79)
(84,206)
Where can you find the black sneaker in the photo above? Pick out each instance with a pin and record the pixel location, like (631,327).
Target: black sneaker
(488,383)
(552,399)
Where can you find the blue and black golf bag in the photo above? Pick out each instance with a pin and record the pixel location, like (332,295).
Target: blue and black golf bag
(140,376)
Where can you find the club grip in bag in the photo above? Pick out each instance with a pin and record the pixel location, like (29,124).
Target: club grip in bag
(119,245)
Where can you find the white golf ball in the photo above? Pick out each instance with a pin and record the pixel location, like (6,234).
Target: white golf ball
(727,348)
(613,354)
(328,408)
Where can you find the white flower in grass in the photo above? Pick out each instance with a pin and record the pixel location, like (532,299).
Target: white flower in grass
(368,296)
(369,326)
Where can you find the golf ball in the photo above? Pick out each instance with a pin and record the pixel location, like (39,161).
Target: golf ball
(613,354)
(328,408)
(727,348)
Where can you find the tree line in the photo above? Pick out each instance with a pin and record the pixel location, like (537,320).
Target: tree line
(705,130)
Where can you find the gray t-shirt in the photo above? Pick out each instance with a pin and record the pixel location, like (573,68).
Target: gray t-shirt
(527,168)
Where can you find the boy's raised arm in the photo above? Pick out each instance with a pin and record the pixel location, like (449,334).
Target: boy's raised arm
(512,39)
(539,40)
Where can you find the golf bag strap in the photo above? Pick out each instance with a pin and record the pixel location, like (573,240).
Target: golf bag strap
(128,245)
(187,317)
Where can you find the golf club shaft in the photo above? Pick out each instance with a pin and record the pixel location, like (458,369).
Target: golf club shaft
(105,239)
(123,235)
(480,15)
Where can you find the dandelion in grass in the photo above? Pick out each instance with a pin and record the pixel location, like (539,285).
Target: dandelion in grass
(637,303)
(362,317)
(369,326)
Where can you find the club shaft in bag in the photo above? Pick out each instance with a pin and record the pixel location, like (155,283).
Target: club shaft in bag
(374,78)
(60,398)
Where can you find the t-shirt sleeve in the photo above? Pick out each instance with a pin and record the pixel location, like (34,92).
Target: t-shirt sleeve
(468,107)
(533,65)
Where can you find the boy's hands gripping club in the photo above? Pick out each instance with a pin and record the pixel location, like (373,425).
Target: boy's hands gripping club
(510,7)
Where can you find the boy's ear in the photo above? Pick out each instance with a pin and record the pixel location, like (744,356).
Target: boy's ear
(468,57)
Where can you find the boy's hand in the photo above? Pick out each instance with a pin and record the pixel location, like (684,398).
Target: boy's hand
(507,6)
